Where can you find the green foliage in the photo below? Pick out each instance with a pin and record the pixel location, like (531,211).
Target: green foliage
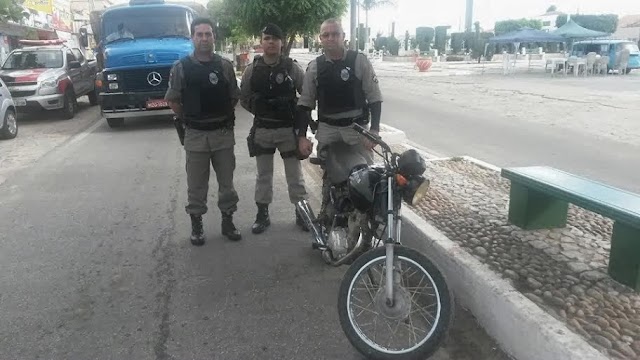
(362,36)
(380,42)
(552,8)
(424,37)
(605,23)
(292,16)
(441,38)
(506,26)
(11,10)
(228,26)
(393,45)
(367,5)
(457,41)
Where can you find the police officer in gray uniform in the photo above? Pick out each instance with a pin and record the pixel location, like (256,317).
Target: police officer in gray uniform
(203,92)
(268,91)
(346,87)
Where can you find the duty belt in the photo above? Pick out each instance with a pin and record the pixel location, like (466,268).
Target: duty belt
(273,124)
(345,121)
(209,126)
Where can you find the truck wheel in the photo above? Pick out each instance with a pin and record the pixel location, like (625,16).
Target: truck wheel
(70,105)
(93,97)
(115,122)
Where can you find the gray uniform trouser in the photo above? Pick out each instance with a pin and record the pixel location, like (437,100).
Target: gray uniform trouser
(328,134)
(203,150)
(284,140)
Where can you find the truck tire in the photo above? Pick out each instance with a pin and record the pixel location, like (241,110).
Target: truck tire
(115,122)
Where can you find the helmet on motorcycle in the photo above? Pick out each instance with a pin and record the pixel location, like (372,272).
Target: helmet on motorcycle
(362,186)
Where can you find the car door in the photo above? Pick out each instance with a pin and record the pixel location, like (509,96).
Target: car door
(87,79)
(75,74)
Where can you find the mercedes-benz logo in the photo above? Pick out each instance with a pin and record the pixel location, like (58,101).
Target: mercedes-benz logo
(154,78)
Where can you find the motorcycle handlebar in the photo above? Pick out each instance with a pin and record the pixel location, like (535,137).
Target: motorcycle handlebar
(371,136)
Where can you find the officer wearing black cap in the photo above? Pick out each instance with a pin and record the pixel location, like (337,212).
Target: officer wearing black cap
(269,90)
(203,92)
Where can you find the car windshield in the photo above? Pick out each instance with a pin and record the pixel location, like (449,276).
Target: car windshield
(36,59)
(145,23)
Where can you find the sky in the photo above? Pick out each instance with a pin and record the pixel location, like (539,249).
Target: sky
(409,14)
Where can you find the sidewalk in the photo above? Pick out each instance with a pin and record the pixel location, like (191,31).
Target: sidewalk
(541,294)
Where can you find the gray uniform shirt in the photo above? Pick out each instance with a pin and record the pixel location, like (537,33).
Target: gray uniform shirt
(246,92)
(199,140)
(364,71)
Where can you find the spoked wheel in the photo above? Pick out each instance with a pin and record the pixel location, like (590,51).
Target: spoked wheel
(414,326)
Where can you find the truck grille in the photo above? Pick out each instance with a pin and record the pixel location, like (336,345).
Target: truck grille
(137,80)
(22,93)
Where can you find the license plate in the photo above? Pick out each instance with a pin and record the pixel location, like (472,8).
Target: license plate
(20,102)
(157,104)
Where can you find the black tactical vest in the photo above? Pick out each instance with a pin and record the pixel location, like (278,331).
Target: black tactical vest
(339,89)
(205,94)
(276,90)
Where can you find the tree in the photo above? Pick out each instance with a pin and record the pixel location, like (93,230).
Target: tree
(424,36)
(292,16)
(367,5)
(11,10)
(605,23)
(552,8)
(227,28)
(503,27)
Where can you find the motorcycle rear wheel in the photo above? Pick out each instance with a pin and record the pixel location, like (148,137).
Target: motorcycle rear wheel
(405,312)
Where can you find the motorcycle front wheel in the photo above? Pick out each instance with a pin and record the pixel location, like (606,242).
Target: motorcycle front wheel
(414,326)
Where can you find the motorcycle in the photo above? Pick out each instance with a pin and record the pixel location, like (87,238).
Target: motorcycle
(389,292)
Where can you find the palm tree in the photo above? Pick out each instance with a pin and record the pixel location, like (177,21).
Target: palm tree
(367,5)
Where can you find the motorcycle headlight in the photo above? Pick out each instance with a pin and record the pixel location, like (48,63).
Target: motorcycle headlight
(411,163)
(415,189)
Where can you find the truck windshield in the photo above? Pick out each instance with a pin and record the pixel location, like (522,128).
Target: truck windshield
(131,23)
(633,48)
(34,59)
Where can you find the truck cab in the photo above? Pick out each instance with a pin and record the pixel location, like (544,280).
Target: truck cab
(138,43)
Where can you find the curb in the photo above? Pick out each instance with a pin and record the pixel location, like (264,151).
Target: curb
(522,329)
(519,326)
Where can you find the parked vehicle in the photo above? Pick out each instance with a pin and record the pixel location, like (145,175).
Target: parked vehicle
(8,116)
(393,302)
(49,75)
(610,48)
(138,43)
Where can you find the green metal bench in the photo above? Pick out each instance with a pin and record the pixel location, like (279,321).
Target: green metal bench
(540,197)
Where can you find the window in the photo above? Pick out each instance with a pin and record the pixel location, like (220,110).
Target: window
(78,55)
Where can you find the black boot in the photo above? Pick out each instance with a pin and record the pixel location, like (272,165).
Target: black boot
(228,229)
(197,233)
(262,219)
(300,222)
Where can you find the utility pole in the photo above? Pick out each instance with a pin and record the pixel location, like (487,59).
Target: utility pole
(469,18)
(352,35)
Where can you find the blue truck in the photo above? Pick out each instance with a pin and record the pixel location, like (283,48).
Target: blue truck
(138,42)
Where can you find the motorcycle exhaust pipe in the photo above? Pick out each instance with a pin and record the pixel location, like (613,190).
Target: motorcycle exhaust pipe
(303,208)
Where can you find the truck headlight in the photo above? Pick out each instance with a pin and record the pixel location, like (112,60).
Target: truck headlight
(113,86)
(112,77)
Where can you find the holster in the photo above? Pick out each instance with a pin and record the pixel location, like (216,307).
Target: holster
(251,144)
(180,128)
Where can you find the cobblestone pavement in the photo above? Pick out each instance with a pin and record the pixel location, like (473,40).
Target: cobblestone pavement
(564,271)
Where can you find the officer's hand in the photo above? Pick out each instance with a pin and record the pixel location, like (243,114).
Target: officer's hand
(368,144)
(305,147)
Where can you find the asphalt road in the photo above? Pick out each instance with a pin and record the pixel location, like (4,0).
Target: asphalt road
(95,261)
(507,140)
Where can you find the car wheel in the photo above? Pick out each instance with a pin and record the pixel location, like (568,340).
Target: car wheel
(70,105)
(9,125)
